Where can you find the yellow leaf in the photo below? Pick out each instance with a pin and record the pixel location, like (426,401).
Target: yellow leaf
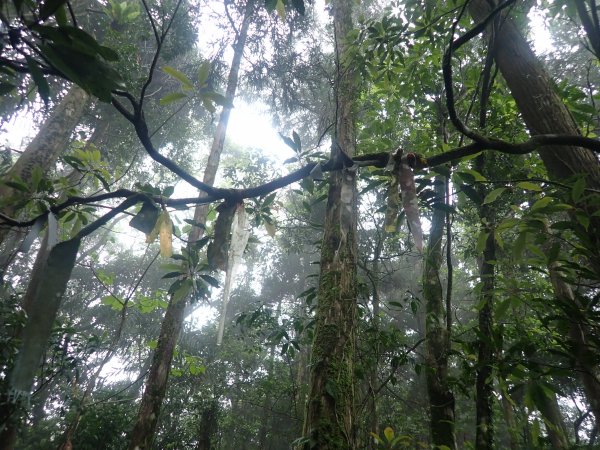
(151,237)
(389,434)
(166,235)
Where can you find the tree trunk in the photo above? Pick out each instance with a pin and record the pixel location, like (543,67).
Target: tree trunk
(372,379)
(544,112)
(172,324)
(50,142)
(329,422)
(55,273)
(581,346)
(555,425)
(441,398)
(208,425)
(484,439)
(511,424)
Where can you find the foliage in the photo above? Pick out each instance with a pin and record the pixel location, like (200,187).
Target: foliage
(254,385)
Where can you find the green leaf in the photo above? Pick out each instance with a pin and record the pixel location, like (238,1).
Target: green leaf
(172,274)
(172,97)
(578,189)
(210,280)
(18,185)
(203,73)
(541,203)
(473,173)
(182,290)
(583,219)
(481,240)
(519,245)
(270,5)
(38,79)
(168,191)
(493,195)
(280,7)
(299,6)
(529,186)
(61,16)
(502,308)
(181,77)
(6,88)
(377,438)
(113,302)
(49,7)
(297,142)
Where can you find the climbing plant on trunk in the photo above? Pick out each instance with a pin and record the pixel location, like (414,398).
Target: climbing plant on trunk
(329,422)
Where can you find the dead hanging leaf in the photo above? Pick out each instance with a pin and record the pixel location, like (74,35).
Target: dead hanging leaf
(410,202)
(166,235)
(151,237)
(146,218)
(219,247)
(393,206)
(271,228)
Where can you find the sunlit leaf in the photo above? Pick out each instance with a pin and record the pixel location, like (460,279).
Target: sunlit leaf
(166,235)
(186,83)
(172,97)
(280,8)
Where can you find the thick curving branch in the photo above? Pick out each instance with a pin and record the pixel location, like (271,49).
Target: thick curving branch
(378,160)
(491,143)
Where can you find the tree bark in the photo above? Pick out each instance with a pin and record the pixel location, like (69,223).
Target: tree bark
(172,324)
(43,151)
(581,346)
(555,425)
(544,112)
(589,20)
(484,387)
(329,422)
(55,273)
(441,398)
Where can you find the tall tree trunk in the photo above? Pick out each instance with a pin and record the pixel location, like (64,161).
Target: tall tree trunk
(511,424)
(582,347)
(208,425)
(371,380)
(329,422)
(484,386)
(544,112)
(555,425)
(50,142)
(156,385)
(55,272)
(441,398)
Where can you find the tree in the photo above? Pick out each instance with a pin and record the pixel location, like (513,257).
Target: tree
(502,304)
(544,112)
(329,422)
(156,384)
